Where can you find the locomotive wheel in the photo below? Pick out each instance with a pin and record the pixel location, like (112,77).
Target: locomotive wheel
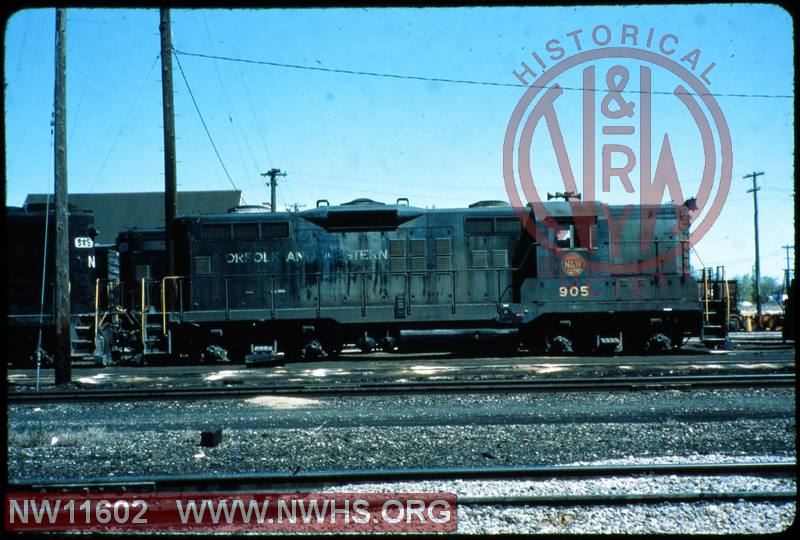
(332,346)
(559,345)
(314,351)
(658,343)
(366,344)
(214,354)
(388,344)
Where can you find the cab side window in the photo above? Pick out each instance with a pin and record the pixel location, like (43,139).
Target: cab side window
(572,236)
(564,236)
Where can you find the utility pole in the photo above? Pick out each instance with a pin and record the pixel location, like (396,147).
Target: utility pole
(170,182)
(787,247)
(754,175)
(63,366)
(296,207)
(273,184)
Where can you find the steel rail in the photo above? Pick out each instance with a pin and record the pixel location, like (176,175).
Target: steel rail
(628,498)
(241,481)
(412,387)
(676,362)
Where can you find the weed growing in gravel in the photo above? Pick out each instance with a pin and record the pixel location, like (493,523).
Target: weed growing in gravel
(41,437)
(29,438)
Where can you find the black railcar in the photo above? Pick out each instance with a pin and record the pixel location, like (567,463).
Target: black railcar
(30,308)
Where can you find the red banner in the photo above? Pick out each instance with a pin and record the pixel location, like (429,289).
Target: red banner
(271,512)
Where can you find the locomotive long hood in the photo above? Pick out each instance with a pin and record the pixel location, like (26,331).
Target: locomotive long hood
(372,218)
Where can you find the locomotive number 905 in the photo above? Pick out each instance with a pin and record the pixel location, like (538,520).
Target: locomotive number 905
(574,290)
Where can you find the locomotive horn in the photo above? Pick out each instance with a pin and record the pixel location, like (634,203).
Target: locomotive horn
(567,195)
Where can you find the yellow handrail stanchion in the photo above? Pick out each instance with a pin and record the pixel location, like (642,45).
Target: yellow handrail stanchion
(164,301)
(727,303)
(144,336)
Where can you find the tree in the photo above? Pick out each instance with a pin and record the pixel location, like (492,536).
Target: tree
(769,287)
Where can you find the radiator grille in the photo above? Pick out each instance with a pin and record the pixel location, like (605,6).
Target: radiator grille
(272,231)
(153,245)
(442,246)
(507,226)
(215,232)
(417,264)
(397,247)
(397,264)
(245,231)
(201,265)
(478,226)
(417,247)
(500,258)
(479,258)
(442,262)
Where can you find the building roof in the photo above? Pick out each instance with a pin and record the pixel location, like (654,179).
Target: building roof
(116,212)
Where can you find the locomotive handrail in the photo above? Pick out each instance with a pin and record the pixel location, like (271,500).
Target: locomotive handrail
(363,294)
(453,286)
(180,298)
(684,266)
(705,291)
(143,332)
(503,294)
(407,293)
(272,297)
(658,261)
(164,300)
(228,281)
(727,303)
(227,305)
(96,306)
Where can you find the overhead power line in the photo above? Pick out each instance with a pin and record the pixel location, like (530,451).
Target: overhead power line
(211,139)
(459,81)
(124,123)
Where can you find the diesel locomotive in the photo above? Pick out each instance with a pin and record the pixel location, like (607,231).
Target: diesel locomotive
(249,285)
(390,276)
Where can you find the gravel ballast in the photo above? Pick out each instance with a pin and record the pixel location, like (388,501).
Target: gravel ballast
(288,434)
(58,441)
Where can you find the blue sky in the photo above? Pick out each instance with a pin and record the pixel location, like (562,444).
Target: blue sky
(342,136)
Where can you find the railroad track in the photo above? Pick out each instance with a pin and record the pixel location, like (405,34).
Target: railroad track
(411,387)
(311,481)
